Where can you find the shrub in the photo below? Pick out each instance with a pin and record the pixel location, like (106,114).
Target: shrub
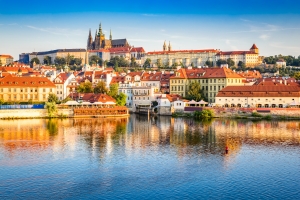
(204,114)
(256,114)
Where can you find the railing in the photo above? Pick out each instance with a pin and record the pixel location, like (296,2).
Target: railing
(34,106)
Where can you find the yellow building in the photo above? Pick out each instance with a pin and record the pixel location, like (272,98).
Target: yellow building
(249,58)
(6,59)
(23,89)
(211,80)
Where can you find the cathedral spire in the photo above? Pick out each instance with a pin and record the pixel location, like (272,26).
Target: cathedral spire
(164,46)
(100,29)
(170,47)
(110,36)
(96,35)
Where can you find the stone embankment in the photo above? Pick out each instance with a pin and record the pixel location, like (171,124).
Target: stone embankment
(32,113)
(247,112)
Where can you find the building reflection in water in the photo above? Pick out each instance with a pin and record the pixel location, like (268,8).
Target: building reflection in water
(101,137)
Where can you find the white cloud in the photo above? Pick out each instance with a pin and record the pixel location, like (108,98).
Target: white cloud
(264,37)
(57,31)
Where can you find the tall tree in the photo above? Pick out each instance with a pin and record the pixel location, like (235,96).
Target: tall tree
(221,62)
(101,88)
(36,60)
(147,63)
(113,90)
(53,98)
(85,87)
(159,63)
(94,59)
(47,60)
(194,91)
(121,99)
(230,62)
(60,61)
(209,63)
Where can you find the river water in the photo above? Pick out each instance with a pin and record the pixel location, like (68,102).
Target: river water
(155,158)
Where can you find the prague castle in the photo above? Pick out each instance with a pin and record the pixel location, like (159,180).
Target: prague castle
(101,43)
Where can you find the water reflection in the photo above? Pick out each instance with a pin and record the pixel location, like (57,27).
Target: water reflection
(138,131)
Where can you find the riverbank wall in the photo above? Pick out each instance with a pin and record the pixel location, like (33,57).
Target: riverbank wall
(32,113)
(248,112)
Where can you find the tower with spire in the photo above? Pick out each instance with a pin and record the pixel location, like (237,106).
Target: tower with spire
(165,46)
(90,41)
(169,47)
(101,43)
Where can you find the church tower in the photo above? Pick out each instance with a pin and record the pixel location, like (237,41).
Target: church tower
(110,36)
(90,41)
(169,47)
(254,49)
(165,46)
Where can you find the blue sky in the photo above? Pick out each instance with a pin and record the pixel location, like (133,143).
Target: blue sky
(274,26)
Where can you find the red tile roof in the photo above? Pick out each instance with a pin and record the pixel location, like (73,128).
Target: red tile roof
(137,49)
(14,81)
(224,53)
(117,79)
(91,97)
(254,47)
(6,56)
(151,76)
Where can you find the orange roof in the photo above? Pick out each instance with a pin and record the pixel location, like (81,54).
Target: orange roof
(117,79)
(179,74)
(151,76)
(6,56)
(14,81)
(277,81)
(137,49)
(250,74)
(183,51)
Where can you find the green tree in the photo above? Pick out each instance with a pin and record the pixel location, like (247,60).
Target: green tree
(47,60)
(101,88)
(60,61)
(113,90)
(85,87)
(94,59)
(297,75)
(159,63)
(66,100)
(209,63)
(121,99)
(230,62)
(69,58)
(194,91)
(51,108)
(76,61)
(53,98)
(36,60)
(147,63)
(242,66)
(221,62)
(1,101)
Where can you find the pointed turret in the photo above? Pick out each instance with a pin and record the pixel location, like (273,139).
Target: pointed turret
(165,46)
(170,47)
(100,30)
(95,35)
(90,40)
(110,35)
(254,49)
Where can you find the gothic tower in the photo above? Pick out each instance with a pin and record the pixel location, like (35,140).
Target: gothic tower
(90,41)
(110,36)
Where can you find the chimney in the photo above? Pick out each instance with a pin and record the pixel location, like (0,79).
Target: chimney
(285,82)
